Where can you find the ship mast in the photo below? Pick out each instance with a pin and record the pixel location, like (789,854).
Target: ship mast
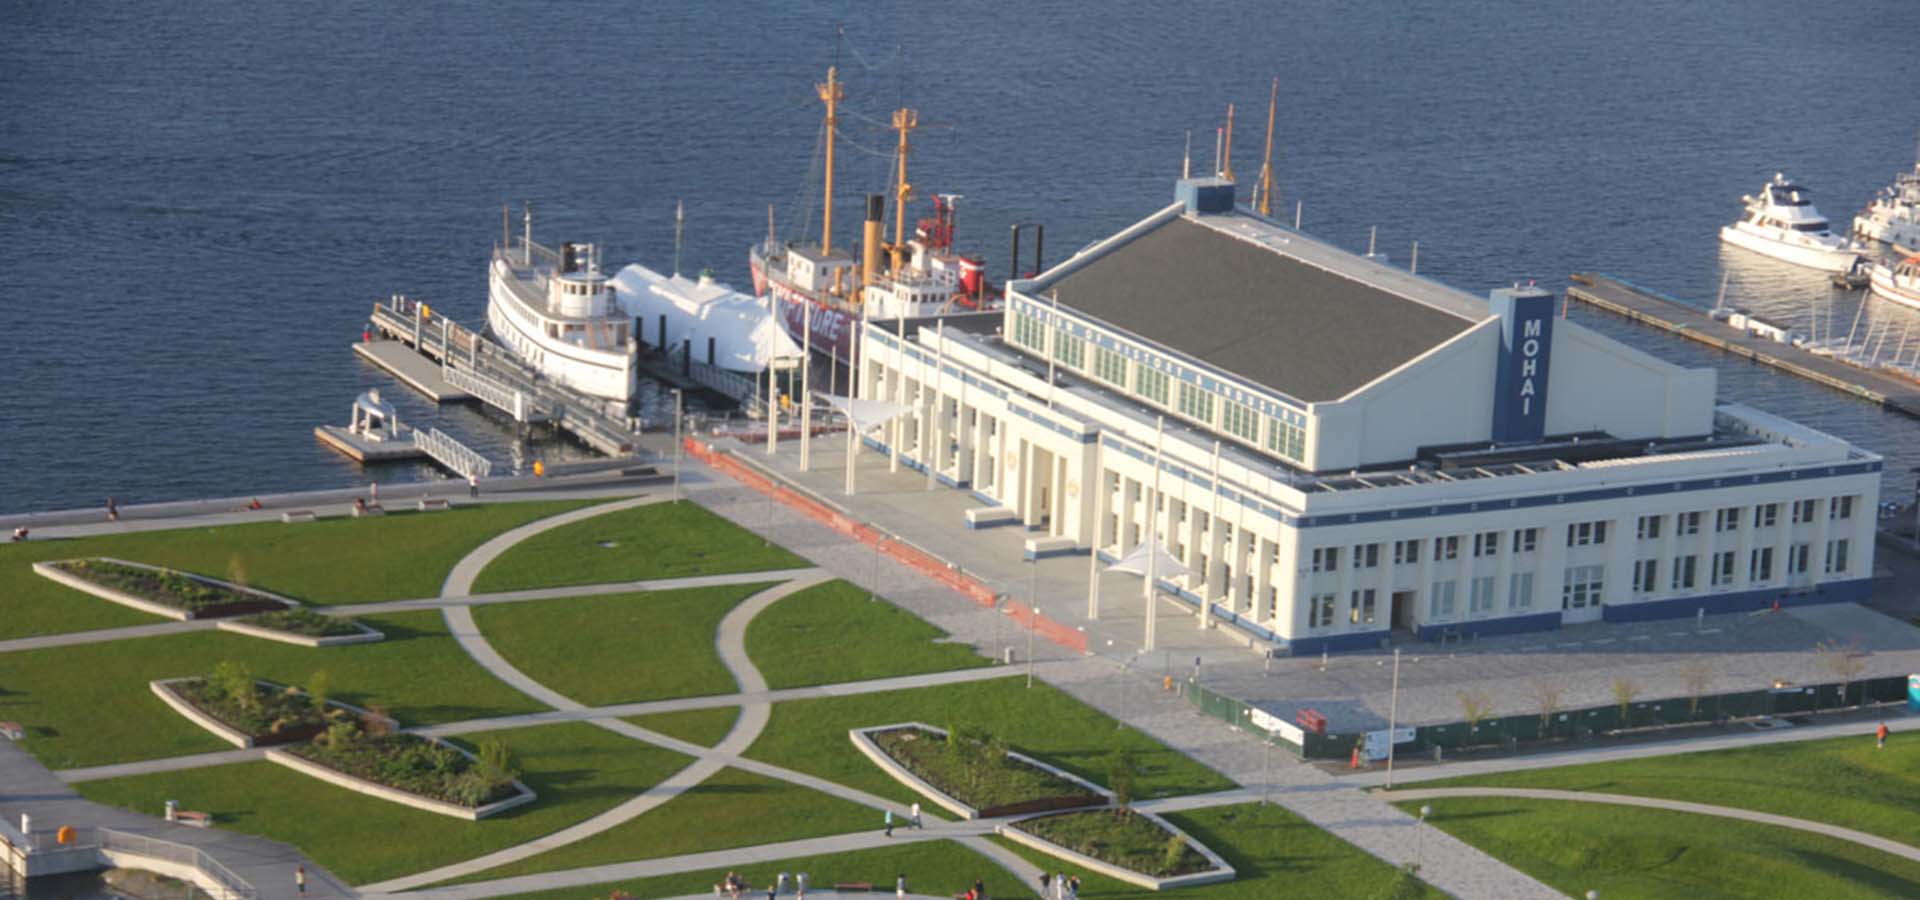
(1266,167)
(904,120)
(1226,154)
(830,94)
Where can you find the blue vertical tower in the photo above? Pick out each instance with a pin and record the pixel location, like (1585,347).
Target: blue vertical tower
(1520,379)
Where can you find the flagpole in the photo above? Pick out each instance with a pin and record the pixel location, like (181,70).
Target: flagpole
(806,393)
(1214,546)
(1153,529)
(1098,484)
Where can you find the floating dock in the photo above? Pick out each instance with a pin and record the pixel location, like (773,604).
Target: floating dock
(1674,317)
(412,369)
(361,449)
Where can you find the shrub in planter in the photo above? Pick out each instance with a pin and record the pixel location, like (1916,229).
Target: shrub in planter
(304,622)
(259,709)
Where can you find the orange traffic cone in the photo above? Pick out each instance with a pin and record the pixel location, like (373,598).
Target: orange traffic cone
(1776,605)
(1355,762)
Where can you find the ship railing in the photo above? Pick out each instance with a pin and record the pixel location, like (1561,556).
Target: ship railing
(490,392)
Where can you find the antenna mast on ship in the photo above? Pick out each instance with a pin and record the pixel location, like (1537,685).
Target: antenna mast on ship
(831,94)
(904,121)
(679,223)
(1226,153)
(1266,166)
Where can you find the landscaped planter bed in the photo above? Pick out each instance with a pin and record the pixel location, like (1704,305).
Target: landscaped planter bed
(303,627)
(284,715)
(1130,847)
(160,591)
(918,756)
(420,772)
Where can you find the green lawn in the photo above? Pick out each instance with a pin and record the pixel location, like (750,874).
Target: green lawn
(938,868)
(339,560)
(705,727)
(1845,781)
(734,808)
(89,704)
(811,735)
(662,540)
(1274,853)
(619,648)
(1648,853)
(800,641)
(578,770)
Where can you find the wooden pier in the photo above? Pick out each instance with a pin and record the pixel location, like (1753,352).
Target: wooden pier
(1635,304)
(412,369)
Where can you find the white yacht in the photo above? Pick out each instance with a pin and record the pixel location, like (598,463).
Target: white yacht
(559,313)
(1782,223)
(1894,216)
(1898,281)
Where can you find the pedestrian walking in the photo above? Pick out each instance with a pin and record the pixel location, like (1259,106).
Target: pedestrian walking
(113,509)
(979,890)
(1045,881)
(889,821)
(916,815)
(1880,735)
(780,883)
(300,878)
(900,886)
(473,486)
(773,890)
(1059,886)
(1073,887)
(800,884)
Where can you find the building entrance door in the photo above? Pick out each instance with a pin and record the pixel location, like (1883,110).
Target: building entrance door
(1579,609)
(1403,610)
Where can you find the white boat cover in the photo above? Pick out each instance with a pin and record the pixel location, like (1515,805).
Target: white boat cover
(745,334)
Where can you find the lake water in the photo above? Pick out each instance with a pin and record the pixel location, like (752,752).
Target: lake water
(199,203)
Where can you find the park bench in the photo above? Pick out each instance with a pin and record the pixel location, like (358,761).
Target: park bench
(429,504)
(193,819)
(854,887)
(298,515)
(371,509)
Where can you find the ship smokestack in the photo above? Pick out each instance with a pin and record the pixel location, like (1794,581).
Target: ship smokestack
(1013,258)
(870,240)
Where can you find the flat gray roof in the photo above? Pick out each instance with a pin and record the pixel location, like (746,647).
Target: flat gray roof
(1250,307)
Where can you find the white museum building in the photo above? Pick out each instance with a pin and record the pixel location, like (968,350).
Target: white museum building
(1335,448)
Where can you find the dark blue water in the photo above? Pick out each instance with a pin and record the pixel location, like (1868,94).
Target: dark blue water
(198,203)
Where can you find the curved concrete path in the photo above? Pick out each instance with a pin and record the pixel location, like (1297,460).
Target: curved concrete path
(730,643)
(1875,842)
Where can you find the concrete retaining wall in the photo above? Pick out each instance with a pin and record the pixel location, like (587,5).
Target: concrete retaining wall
(164,690)
(863,741)
(49,570)
(366,636)
(305,766)
(1219,871)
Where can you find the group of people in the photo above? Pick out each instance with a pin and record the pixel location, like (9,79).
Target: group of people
(1059,886)
(913,819)
(735,885)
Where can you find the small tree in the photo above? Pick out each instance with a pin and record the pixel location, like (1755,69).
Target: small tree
(1845,661)
(495,763)
(376,722)
(234,681)
(1476,706)
(317,691)
(1546,698)
(1624,690)
(1699,674)
(1120,777)
(1170,856)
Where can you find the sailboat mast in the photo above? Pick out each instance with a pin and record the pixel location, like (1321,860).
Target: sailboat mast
(904,120)
(830,94)
(1266,166)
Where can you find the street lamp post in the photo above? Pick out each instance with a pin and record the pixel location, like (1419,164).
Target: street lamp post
(678,417)
(1420,840)
(1393,715)
(1033,616)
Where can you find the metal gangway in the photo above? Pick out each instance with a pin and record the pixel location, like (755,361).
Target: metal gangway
(88,848)
(457,457)
(502,380)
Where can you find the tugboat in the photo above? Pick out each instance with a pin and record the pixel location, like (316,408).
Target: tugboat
(922,279)
(1893,217)
(1898,282)
(559,313)
(1782,223)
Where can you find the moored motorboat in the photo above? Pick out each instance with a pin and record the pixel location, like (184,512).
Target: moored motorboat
(1782,222)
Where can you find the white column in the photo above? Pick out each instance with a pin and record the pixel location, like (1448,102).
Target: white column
(1263,562)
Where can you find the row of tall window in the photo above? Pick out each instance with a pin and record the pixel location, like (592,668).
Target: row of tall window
(1733,518)
(1155,386)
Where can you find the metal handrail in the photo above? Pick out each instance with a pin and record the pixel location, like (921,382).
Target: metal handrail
(462,459)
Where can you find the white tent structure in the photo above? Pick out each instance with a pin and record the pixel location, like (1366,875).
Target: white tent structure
(745,334)
(1150,556)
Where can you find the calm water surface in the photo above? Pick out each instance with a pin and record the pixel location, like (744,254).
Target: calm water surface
(199,203)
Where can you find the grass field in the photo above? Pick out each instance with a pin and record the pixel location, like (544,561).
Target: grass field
(578,770)
(661,540)
(338,560)
(811,735)
(89,704)
(619,648)
(734,808)
(800,642)
(1646,853)
(1845,781)
(1274,853)
(938,868)
(705,727)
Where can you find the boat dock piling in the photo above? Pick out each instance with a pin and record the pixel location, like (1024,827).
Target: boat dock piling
(1646,307)
(449,360)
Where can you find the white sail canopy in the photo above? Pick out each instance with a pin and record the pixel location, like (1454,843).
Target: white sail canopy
(1134,562)
(744,332)
(866,414)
